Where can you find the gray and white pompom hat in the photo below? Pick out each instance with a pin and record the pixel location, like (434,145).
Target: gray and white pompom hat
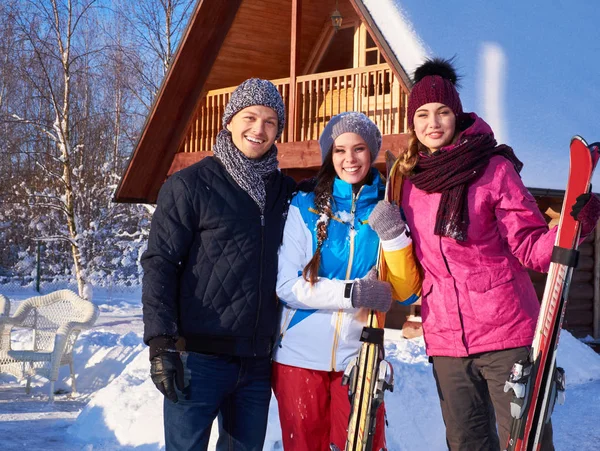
(353,122)
(256,91)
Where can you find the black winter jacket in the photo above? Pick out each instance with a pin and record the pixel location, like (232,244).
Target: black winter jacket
(211,264)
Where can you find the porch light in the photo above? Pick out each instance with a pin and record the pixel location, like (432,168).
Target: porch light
(336,17)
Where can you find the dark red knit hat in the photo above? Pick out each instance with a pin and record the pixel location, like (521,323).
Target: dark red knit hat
(435,81)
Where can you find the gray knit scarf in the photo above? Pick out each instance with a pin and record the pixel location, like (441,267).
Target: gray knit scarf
(249,174)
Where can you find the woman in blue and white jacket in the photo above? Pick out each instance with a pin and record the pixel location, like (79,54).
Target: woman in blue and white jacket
(327,283)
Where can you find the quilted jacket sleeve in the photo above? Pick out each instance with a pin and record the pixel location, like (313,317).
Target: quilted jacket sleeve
(520,222)
(171,234)
(294,254)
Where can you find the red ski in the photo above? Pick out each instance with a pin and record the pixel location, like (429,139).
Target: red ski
(537,382)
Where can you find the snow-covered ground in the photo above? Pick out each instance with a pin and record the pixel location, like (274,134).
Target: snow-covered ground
(118,408)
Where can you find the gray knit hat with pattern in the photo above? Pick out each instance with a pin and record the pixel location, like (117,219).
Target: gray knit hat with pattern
(355,123)
(256,91)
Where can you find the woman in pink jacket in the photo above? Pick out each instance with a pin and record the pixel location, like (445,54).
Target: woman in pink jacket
(476,229)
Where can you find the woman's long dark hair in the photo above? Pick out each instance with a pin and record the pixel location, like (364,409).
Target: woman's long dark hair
(323,193)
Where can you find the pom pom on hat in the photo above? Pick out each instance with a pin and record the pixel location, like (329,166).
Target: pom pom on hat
(435,81)
(256,91)
(436,66)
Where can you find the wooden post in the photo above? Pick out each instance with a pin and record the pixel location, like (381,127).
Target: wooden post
(296,17)
(596,308)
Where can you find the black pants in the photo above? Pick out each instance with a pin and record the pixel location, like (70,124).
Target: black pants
(471,391)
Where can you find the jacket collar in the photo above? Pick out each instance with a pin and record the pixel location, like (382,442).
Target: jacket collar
(477,127)
(342,191)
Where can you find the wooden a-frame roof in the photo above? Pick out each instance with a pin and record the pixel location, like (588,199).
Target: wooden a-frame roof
(223,36)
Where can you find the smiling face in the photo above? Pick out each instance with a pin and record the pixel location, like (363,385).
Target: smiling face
(253,130)
(351,158)
(435,125)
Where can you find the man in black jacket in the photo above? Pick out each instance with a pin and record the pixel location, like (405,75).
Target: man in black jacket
(209,303)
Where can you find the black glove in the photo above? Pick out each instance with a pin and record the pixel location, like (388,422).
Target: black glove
(586,210)
(581,200)
(166,371)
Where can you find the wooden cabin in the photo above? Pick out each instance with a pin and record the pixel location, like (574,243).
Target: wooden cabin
(320,69)
(325,57)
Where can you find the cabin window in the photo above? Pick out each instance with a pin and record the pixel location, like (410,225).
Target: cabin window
(372,54)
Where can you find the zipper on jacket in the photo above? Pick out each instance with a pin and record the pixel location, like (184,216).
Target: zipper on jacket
(352,230)
(260,276)
(340,313)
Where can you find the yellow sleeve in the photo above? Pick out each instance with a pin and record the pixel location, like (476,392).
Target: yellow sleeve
(403,274)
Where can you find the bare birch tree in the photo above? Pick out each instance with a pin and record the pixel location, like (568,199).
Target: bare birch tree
(51,30)
(77,78)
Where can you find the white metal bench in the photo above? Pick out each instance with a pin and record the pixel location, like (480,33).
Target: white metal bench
(52,322)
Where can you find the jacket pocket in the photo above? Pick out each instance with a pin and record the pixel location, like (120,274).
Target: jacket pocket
(492,295)
(481,282)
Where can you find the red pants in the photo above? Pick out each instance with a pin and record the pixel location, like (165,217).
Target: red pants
(314,409)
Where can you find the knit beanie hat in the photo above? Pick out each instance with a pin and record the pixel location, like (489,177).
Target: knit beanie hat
(355,123)
(256,91)
(435,81)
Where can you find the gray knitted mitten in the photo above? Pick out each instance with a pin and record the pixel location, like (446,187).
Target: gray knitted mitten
(371,293)
(387,221)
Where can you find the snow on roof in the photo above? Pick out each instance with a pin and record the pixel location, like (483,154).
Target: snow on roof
(399,33)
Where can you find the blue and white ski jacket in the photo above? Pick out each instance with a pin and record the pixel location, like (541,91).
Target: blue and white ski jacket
(319,328)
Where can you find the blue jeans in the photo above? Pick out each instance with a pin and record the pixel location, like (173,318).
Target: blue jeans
(237,389)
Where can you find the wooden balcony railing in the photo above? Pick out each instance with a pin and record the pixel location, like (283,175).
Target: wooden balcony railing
(373,90)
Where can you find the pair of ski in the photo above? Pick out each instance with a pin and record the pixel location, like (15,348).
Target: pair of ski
(537,383)
(368,375)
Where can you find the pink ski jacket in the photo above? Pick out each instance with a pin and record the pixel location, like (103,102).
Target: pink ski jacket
(477,294)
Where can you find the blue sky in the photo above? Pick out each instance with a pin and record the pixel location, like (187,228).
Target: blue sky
(551,74)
